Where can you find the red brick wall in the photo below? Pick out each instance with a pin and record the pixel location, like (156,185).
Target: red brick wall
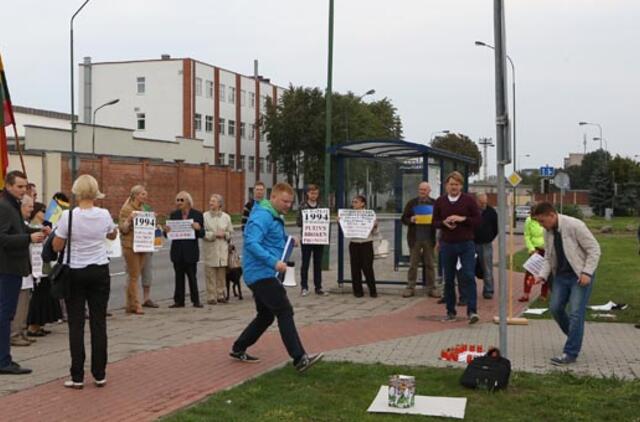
(163,181)
(570,197)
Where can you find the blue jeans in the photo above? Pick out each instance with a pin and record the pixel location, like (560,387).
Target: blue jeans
(465,251)
(566,290)
(9,291)
(485,258)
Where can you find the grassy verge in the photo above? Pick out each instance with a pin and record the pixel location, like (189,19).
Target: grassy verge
(343,392)
(619,224)
(617,277)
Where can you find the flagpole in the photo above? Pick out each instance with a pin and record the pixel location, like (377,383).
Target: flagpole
(11,116)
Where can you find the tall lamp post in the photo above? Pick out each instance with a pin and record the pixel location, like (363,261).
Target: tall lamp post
(93,123)
(73,116)
(328,119)
(606,144)
(523,155)
(358,98)
(513,125)
(593,124)
(438,132)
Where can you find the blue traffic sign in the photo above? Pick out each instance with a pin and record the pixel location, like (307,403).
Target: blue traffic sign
(547,171)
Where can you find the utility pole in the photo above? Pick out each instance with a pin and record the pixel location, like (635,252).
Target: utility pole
(486,143)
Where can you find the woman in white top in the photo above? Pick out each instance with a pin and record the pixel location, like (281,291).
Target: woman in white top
(361,255)
(217,232)
(89,279)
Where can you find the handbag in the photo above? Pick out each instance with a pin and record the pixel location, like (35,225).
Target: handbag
(490,372)
(60,276)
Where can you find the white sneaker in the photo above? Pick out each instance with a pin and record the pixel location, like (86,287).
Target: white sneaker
(304,292)
(74,385)
(100,383)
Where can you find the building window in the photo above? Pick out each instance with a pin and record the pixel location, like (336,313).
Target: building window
(261,162)
(208,123)
(252,132)
(252,99)
(141,118)
(197,122)
(232,95)
(209,89)
(252,161)
(141,83)
(221,126)
(243,97)
(222,93)
(242,130)
(241,163)
(232,161)
(232,128)
(221,158)
(199,87)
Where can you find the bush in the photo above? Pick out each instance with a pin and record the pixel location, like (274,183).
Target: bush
(571,210)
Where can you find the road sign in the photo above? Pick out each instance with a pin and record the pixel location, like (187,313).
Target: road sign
(547,171)
(562,181)
(514,179)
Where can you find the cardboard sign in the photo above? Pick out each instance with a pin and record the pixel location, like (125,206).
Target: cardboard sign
(144,229)
(181,229)
(315,226)
(356,223)
(36,260)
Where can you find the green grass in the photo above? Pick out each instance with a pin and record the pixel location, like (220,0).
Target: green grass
(335,392)
(617,277)
(619,224)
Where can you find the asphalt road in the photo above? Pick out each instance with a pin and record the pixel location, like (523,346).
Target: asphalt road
(163,275)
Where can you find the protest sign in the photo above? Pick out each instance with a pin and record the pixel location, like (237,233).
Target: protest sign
(181,229)
(36,260)
(356,223)
(144,228)
(315,226)
(534,264)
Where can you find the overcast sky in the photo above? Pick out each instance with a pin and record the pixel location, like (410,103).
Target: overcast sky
(575,59)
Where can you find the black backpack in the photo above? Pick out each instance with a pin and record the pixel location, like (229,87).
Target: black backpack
(490,372)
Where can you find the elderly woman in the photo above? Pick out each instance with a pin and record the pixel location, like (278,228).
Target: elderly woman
(457,215)
(217,233)
(89,278)
(133,260)
(185,253)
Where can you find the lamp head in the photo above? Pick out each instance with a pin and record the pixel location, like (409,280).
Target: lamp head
(583,123)
(112,102)
(370,92)
(480,43)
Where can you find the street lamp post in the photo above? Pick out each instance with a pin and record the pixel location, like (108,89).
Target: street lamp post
(432,136)
(523,155)
(513,126)
(606,144)
(358,98)
(73,117)
(593,124)
(93,123)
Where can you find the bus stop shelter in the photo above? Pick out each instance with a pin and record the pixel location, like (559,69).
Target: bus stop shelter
(412,163)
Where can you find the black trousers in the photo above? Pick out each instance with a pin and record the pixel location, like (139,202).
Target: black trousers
(190,270)
(271,303)
(361,256)
(90,285)
(307,252)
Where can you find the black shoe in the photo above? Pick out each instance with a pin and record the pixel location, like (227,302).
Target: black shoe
(176,305)
(14,369)
(244,357)
(563,360)
(637,325)
(441,301)
(197,305)
(322,293)
(307,362)
(461,303)
(450,318)
(358,294)
(488,296)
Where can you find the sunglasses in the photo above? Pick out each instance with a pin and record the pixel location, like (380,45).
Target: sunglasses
(179,199)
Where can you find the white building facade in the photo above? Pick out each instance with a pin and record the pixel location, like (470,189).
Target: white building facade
(172,99)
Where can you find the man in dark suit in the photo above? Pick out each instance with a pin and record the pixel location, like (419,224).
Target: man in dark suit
(185,253)
(15,238)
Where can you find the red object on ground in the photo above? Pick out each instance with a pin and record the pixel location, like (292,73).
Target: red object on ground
(472,348)
(479,348)
(469,358)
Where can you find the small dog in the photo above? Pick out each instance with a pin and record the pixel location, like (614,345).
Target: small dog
(234,273)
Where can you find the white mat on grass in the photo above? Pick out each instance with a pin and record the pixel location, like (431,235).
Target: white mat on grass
(449,407)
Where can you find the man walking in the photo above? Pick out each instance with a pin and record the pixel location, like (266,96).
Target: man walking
(484,235)
(15,238)
(571,254)
(258,195)
(421,236)
(264,243)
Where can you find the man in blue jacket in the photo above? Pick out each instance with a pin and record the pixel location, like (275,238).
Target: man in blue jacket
(264,242)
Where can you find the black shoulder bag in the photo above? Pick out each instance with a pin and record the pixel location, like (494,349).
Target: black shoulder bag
(60,276)
(490,372)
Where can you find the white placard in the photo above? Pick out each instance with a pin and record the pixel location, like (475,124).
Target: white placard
(315,226)
(449,407)
(356,223)
(181,229)
(144,229)
(114,247)
(534,264)
(36,260)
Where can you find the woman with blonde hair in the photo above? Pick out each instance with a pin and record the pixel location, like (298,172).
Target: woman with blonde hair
(217,233)
(134,260)
(89,280)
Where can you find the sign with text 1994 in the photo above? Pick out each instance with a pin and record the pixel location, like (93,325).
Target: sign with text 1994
(315,226)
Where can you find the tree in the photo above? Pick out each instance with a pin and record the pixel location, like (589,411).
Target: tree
(601,192)
(460,144)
